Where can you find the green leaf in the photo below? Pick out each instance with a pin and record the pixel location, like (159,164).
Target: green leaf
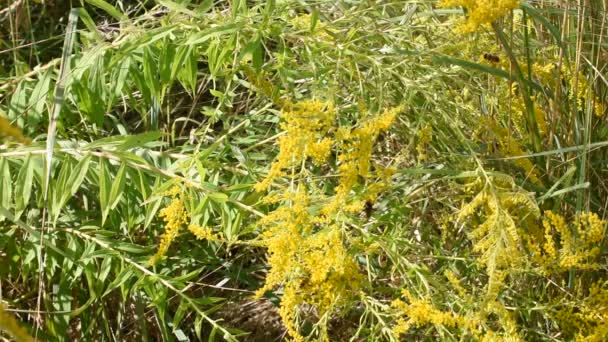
(121,78)
(131,248)
(104,270)
(111,10)
(119,279)
(18,104)
(150,68)
(38,98)
(487,69)
(179,8)
(216,31)
(254,49)
(204,6)
(189,73)
(218,197)
(117,187)
(6,185)
(85,17)
(124,142)
(58,100)
(61,301)
(78,174)
(166,61)
(180,58)
(23,188)
(104,189)
(180,313)
(534,13)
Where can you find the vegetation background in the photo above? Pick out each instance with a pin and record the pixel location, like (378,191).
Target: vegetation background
(303,170)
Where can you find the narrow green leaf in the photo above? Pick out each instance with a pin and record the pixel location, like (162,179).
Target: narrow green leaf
(204,6)
(534,13)
(218,197)
(68,45)
(121,76)
(6,185)
(85,17)
(180,58)
(178,8)
(78,174)
(39,96)
(166,61)
(104,189)
(216,31)
(487,69)
(111,10)
(119,279)
(180,313)
(117,187)
(23,188)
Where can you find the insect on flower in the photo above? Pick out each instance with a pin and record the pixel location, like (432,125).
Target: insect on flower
(491,58)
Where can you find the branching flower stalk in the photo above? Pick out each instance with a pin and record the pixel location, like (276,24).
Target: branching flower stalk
(308,252)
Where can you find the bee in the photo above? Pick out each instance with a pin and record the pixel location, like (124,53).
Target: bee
(491,58)
(369,209)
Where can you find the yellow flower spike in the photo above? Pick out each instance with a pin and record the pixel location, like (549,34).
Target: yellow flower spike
(307,253)
(482,12)
(420,312)
(306,123)
(424,137)
(578,242)
(203,233)
(175,216)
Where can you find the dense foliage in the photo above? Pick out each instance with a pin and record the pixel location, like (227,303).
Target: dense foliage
(303,170)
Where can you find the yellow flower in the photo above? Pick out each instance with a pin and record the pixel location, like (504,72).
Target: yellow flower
(306,123)
(424,137)
(420,312)
(203,233)
(578,242)
(354,158)
(175,216)
(307,251)
(303,22)
(481,12)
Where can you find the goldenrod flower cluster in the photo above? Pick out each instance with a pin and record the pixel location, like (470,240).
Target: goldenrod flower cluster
(9,324)
(518,113)
(495,213)
(303,22)
(314,266)
(481,12)
(356,148)
(586,318)
(176,216)
(424,137)
(581,91)
(9,131)
(578,88)
(420,312)
(578,246)
(478,320)
(308,248)
(305,124)
(203,233)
